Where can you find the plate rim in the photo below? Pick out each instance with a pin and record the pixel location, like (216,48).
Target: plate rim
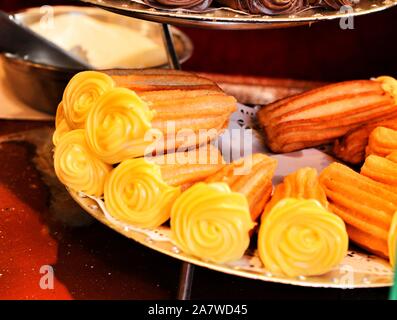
(212,266)
(204,20)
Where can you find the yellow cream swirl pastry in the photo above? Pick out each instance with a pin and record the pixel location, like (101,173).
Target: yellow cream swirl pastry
(135,193)
(60,132)
(61,125)
(392,241)
(299,237)
(81,94)
(59,116)
(211,222)
(117,126)
(76,166)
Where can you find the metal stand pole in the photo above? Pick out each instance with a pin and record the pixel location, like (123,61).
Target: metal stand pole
(185,281)
(173,59)
(187,269)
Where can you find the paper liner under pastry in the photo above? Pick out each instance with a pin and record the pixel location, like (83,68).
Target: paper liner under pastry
(321,115)
(366,206)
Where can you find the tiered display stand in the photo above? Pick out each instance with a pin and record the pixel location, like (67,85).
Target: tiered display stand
(360,270)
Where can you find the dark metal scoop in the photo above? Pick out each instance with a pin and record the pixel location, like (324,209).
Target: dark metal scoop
(22,42)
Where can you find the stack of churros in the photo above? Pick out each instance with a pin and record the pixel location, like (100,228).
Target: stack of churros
(189,101)
(322,115)
(121,123)
(366,206)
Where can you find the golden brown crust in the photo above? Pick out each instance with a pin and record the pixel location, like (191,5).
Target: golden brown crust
(351,147)
(382,141)
(375,244)
(365,205)
(160,79)
(189,110)
(186,168)
(323,114)
(251,177)
(302,184)
(260,90)
(382,170)
(392,156)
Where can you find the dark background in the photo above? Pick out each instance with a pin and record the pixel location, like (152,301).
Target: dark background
(322,51)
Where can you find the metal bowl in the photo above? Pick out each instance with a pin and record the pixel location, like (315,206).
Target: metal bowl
(41,86)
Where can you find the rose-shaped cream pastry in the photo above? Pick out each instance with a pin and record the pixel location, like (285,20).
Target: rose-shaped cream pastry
(211,222)
(59,132)
(117,125)
(61,126)
(82,93)
(77,167)
(59,116)
(136,193)
(299,237)
(392,241)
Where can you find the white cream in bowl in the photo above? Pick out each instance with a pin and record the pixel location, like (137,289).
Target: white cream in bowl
(102,44)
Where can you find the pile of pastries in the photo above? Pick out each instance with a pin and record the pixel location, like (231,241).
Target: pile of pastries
(261,7)
(358,118)
(142,141)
